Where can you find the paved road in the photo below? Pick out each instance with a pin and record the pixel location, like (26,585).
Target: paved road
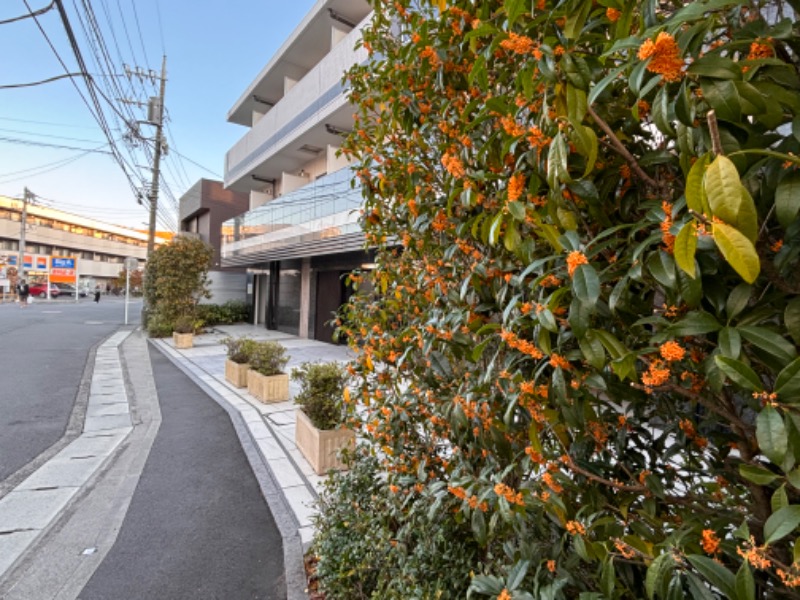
(43,352)
(198,526)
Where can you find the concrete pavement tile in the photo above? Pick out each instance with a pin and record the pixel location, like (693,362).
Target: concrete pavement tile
(107,408)
(12,546)
(63,472)
(270,448)
(302,504)
(29,509)
(106,422)
(285,417)
(306,536)
(259,431)
(285,473)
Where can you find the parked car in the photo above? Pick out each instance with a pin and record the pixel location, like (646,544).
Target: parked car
(40,290)
(67,289)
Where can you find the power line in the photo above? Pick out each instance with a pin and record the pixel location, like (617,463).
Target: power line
(30,15)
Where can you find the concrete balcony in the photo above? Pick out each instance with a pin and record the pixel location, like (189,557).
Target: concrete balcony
(320,218)
(275,143)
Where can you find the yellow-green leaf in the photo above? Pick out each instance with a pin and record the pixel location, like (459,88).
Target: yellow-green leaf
(685,248)
(747,217)
(695,194)
(737,250)
(723,189)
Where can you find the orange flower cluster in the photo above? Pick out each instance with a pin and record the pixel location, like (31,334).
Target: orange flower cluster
(516,185)
(655,376)
(501,489)
(550,281)
(613,14)
(504,595)
(556,361)
(537,138)
(624,549)
(664,55)
(666,237)
(755,555)
(710,542)
(671,351)
(552,483)
(760,50)
(551,566)
(575,528)
(790,578)
(453,165)
(511,127)
(524,346)
(574,260)
(431,55)
(440,221)
(519,44)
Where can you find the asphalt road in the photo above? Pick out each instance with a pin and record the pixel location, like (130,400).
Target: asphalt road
(197,526)
(43,352)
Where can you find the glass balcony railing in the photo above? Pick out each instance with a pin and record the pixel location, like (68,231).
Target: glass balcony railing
(323,210)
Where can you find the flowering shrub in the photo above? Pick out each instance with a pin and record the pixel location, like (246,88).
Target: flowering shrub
(581,341)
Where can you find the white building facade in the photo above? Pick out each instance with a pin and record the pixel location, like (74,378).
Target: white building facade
(301,236)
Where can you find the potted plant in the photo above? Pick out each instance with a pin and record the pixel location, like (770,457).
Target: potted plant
(319,431)
(238,361)
(266,379)
(183,332)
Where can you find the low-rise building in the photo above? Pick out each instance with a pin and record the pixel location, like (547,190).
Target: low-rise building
(99,249)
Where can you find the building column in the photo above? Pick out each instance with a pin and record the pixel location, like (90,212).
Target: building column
(305,297)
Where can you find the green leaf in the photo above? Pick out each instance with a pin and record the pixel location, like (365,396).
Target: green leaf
(745,585)
(592,350)
(517,210)
(739,373)
(730,342)
(791,318)
(715,67)
(698,589)
(738,251)
(494,229)
(657,573)
(738,299)
(787,385)
(695,192)
(771,435)
(586,285)
(661,112)
(723,97)
(517,574)
(479,527)
(557,162)
(747,217)
(757,475)
(787,199)
(770,342)
(662,267)
(723,189)
(511,237)
(613,346)
(694,323)
(780,499)
(685,248)
(713,572)
(794,478)
(576,104)
(514,9)
(781,523)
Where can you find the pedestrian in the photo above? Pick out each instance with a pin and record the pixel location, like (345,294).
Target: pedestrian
(108,289)
(23,290)
(97,294)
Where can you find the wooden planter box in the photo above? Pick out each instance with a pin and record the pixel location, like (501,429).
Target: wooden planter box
(236,373)
(268,388)
(183,340)
(321,447)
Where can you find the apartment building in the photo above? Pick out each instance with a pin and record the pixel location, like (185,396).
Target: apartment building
(300,236)
(202,211)
(99,249)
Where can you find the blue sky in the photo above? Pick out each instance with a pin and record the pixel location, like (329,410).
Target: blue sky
(214,50)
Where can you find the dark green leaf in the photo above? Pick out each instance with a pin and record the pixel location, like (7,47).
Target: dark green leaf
(787,199)
(661,112)
(758,475)
(723,97)
(739,373)
(770,342)
(745,585)
(694,323)
(787,385)
(771,434)
(657,573)
(715,67)
(791,318)
(662,267)
(716,574)
(781,523)
(738,299)
(730,342)
(586,284)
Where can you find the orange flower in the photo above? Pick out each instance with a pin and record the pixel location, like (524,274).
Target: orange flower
(655,376)
(574,260)
(550,281)
(613,14)
(516,185)
(664,55)
(559,361)
(519,44)
(666,237)
(710,542)
(755,555)
(453,165)
(671,351)
(575,528)
(551,566)
(760,50)
(504,595)
(511,127)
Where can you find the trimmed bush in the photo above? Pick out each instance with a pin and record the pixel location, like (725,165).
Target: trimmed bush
(321,390)
(268,358)
(239,349)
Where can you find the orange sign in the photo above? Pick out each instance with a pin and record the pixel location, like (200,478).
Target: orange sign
(63,269)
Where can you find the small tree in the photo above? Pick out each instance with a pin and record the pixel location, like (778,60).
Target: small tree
(176,277)
(136,279)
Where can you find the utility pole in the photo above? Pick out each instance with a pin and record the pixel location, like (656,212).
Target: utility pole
(156,116)
(23,222)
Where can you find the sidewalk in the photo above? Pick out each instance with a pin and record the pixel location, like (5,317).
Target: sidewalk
(271,426)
